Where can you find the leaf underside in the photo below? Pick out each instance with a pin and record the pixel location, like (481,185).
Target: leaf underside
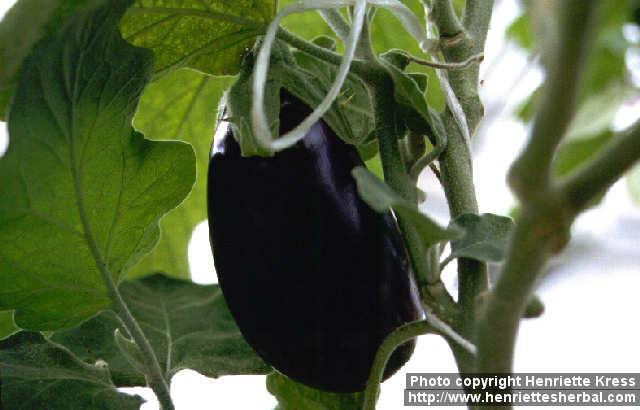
(206,35)
(181,106)
(188,325)
(39,374)
(79,188)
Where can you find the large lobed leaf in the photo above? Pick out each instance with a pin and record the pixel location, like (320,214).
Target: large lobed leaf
(183,106)
(207,35)
(188,325)
(81,192)
(39,374)
(24,24)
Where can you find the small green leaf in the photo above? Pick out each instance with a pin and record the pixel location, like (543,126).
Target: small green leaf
(412,109)
(387,35)
(292,395)
(574,153)
(596,113)
(407,91)
(633,183)
(7,327)
(521,32)
(181,106)
(486,237)
(39,374)
(188,325)
(381,197)
(207,35)
(81,192)
(374,165)
(605,69)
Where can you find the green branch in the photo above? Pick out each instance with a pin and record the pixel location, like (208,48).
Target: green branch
(445,17)
(358,67)
(455,162)
(338,24)
(601,172)
(399,336)
(530,173)
(393,167)
(548,210)
(154,375)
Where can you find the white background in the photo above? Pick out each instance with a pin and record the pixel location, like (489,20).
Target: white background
(590,292)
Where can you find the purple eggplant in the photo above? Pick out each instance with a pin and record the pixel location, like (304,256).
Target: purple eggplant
(314,278)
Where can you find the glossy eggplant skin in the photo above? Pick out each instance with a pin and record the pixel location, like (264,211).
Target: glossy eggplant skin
(314,278)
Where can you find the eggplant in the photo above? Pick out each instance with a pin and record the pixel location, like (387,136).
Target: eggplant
(314,278)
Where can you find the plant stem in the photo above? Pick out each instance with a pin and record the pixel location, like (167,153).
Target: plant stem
(154,375)
(457,179)
(530,173)
(477,58)
(443,13)
(548,210)
(391,342)
(338,24)
(395,174)
(601,172)
(455,162)
(465,82)
(498,329)
(361,68)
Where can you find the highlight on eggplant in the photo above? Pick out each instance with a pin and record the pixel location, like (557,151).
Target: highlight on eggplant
(314,278)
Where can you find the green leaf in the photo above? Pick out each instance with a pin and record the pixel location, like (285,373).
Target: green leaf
(308,25)
(590,129)
(412,108)
(486,237)
(39,374)
(633,183)
(7,327)
(605,69)
(17,38)
(240,97)
(374,165)
(350,116)
(381,197)
(520,31)
(596,113)
(81,192)
(207,35)
(188,325)
(183,106)
(387,34)
(574,153)
(309,79)
(292,395)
